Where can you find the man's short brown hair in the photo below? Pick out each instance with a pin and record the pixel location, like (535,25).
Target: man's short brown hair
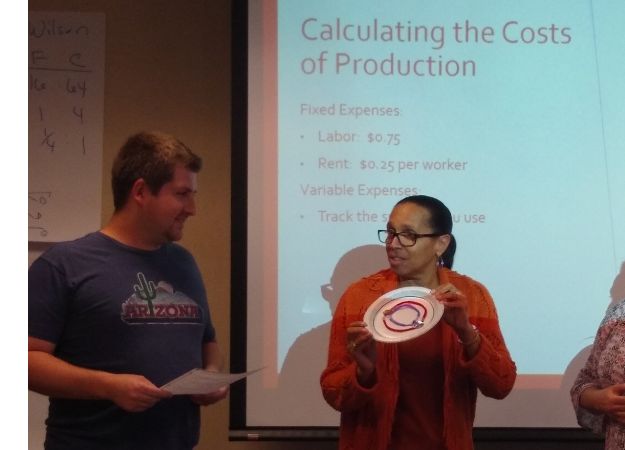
(152,156)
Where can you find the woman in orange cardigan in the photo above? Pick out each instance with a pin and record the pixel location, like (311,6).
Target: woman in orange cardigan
(419,393)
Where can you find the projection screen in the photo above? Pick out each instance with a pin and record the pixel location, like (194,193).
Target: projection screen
(510,112)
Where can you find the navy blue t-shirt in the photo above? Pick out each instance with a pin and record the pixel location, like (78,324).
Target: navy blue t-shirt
(115,308)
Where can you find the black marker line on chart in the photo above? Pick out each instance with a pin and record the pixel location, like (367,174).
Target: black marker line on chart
(55,69)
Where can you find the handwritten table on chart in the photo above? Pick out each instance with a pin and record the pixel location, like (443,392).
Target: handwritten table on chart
(65,117)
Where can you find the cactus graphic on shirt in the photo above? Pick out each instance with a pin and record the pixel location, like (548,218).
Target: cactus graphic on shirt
(146,290)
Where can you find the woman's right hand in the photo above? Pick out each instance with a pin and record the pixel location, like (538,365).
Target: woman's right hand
(361,347)
(609,401)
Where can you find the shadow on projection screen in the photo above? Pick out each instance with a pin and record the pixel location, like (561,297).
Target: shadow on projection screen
(511,113)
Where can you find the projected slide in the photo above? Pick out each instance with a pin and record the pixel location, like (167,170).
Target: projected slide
(509,112)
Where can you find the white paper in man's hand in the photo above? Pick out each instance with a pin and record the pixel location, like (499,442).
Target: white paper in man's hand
(199,381)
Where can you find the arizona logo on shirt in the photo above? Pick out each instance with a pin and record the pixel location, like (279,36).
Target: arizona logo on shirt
(159,303)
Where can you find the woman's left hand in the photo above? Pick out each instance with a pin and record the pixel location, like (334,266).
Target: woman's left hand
(456,310)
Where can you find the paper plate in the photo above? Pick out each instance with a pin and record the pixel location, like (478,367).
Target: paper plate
(403,314)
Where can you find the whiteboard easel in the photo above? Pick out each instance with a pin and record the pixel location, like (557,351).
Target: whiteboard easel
(65,116)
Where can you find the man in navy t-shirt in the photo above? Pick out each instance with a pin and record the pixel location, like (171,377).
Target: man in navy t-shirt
(121,311)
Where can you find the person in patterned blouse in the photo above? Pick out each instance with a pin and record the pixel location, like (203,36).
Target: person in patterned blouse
(598,394)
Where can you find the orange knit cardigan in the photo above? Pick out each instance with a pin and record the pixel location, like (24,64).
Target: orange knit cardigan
(367,413)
